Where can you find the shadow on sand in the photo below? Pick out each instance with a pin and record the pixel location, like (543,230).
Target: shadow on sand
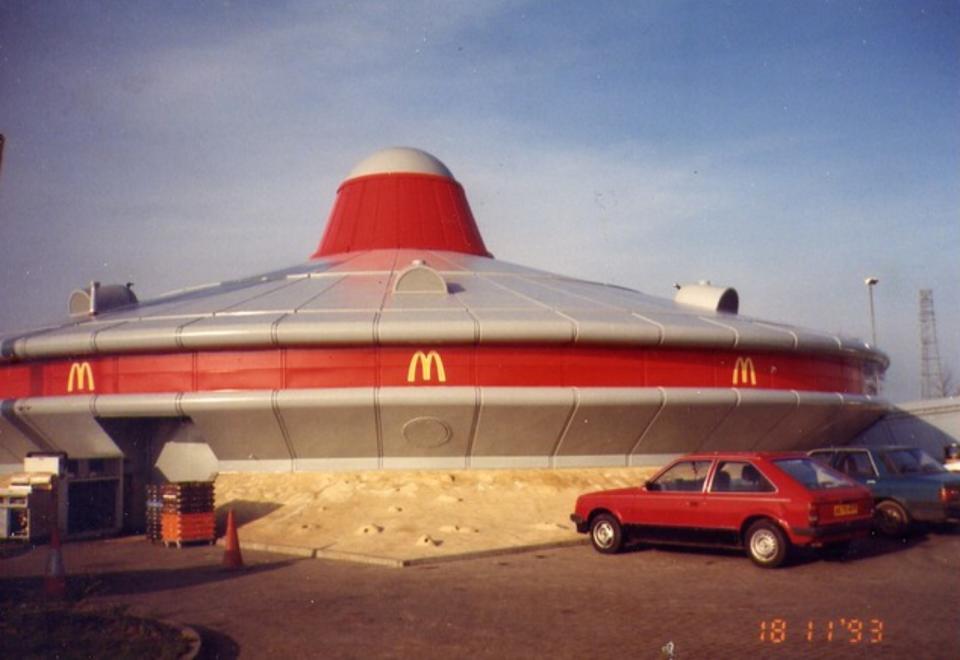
(244,511)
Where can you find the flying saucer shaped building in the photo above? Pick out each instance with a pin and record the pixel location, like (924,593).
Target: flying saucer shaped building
(402,342)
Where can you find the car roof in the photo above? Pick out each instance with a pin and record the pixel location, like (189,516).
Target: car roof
(863,447)
(764,455)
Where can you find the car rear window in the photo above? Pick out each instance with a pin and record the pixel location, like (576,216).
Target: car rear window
(739,477)
(812,474)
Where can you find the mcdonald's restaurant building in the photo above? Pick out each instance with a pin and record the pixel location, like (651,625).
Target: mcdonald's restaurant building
(402,343)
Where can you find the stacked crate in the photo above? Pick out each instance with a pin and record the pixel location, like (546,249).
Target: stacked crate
(187,513)
(154,510)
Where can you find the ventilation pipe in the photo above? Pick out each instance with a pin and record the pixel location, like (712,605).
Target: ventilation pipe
(703,295)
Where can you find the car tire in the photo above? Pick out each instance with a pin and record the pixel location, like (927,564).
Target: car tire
(606,534)
(766,544)
(891,519)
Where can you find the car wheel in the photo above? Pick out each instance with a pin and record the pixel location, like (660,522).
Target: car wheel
(606,534)
(891,519)
(766,544)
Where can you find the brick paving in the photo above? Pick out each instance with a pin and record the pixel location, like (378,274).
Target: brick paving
(888,599)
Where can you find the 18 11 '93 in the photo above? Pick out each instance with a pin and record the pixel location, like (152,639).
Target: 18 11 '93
(843,630)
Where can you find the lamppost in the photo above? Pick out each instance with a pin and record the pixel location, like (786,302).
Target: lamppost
(872,282)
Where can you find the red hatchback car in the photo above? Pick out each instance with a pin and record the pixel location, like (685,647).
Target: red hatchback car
(762,502)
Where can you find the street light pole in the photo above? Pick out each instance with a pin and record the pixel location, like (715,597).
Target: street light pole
(872,282)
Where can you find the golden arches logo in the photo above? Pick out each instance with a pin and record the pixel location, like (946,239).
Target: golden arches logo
(426,362)
(80,378)
(743,370)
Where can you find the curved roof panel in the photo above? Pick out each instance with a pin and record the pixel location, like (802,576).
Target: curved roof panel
(352,301)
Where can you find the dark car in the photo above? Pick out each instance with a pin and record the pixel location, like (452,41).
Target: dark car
(908,485)
(764,503)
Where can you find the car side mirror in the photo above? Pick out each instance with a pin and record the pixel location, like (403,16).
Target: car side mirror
(649,485)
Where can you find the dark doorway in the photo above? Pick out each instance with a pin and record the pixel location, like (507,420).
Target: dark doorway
(93,506)
(140,439)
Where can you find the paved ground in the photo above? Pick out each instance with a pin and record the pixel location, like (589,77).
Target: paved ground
(889,599)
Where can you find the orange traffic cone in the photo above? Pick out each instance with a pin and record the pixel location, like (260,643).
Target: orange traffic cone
(55,579)
(232,558)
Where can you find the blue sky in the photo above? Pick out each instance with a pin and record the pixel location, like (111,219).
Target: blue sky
(788,149)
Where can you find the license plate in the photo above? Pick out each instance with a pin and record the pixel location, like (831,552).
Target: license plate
(844,509)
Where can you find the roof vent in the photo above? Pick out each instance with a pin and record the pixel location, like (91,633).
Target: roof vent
(99,298)
(418,277)
(705,296)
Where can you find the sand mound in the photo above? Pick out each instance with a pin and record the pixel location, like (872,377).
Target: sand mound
(413,513)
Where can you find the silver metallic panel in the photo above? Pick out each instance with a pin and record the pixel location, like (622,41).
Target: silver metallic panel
(334,464)
(613,328)
(155,334)
(608,422)
(580,460)
(14,445)
(239,465)
(401,301)
(477,292)
(238,425)
(428,463)
(428,422)
(476,264)
(808,341)
(330,424)
(521,421)
(617,296)
(692,331)
(353,291)
(757,413)
(425,326)
(283,299)
(70,340)
(510,462)
(814,412)
(687,419)
(68,423)
(187,461)
(328,328)
(229,331)
(856,414)
(523,326)
(547,293)
(136,405)
(651,460)
(753,335)
(232,296)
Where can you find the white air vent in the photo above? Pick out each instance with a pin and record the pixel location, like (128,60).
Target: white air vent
(705,296)
(99,298)
(418,277)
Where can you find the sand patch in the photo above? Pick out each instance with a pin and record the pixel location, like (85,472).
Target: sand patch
(413,513)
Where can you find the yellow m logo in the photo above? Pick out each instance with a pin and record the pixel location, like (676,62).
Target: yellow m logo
(743,370)
(80,378)
(426,360)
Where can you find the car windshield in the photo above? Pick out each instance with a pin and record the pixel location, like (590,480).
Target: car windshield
(910,461)
(812,474)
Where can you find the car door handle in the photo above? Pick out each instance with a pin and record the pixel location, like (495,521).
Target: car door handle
(871,481)
(693,503)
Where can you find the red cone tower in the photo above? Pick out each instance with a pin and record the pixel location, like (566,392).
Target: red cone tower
(401,198)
